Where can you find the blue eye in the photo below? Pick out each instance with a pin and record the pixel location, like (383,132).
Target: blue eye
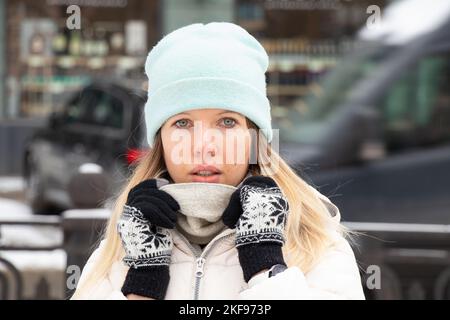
(229,122)
(181,123)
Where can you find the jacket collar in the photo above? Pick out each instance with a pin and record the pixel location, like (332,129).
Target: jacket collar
(222,242)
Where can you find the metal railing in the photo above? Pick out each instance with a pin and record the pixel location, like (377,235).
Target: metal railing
(11,277)
(413,260)
(80,236)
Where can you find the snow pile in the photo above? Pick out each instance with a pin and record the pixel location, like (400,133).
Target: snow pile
(17,235)
(37,260)
(405,20)
(11,184)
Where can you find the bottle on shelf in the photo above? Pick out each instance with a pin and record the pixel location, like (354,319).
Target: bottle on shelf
(75,43)
(60,43)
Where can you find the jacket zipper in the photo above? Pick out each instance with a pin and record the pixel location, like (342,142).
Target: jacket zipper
(201,260)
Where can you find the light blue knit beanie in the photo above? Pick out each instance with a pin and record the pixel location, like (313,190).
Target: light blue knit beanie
(218,65)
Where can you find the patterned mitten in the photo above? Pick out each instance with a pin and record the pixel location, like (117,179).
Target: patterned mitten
(143,229)
(258,210)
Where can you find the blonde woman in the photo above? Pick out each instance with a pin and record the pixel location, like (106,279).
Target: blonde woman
(276,238)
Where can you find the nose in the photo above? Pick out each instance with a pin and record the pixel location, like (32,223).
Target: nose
(204,146)
(208,149)
(205,151)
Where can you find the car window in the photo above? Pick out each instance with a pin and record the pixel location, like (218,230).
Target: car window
(77,110)
(416,108)
(307,119)
(108,111)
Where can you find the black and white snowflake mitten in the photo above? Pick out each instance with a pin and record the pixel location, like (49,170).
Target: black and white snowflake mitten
(147,242)
(258,210)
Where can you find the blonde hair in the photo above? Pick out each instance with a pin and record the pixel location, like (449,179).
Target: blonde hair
(309,225)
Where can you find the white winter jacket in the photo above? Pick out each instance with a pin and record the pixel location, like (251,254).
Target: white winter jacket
(215,273)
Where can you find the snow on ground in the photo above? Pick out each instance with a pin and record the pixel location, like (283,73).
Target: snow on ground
(14,235)
(12,209)
(37,260)
(11,184)
(30,236)
(97,213)
(24,236)
(11,235)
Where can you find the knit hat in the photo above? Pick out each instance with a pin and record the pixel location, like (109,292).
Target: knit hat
(218,65)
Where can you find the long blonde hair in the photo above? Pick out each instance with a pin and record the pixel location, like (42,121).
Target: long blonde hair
(308,225)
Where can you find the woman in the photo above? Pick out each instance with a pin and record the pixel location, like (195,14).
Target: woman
(277,238)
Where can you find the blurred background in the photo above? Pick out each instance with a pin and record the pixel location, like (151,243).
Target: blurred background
(360,90)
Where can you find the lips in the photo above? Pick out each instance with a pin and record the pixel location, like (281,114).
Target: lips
(204,173)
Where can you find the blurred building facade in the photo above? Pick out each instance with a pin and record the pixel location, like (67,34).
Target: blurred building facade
(42,58)
(42,61)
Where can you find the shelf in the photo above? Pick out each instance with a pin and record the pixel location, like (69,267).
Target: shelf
(252,25)
(94,62)
(49,88)
(40,109)
(287,90)
(287,63)
(53,84)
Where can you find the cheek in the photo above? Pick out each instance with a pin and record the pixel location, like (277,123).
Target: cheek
(236,149)
(169,147)
(177,156)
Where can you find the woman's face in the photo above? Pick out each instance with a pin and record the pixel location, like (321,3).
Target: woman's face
(207,145)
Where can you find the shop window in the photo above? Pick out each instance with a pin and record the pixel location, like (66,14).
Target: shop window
(47,61)
(302,48)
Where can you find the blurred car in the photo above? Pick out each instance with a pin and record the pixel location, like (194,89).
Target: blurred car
(84,153)
(375,136)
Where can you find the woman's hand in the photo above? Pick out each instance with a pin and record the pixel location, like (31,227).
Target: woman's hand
(143,229)
(258,210)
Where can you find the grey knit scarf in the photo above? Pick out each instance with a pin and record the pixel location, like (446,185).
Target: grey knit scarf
(201,207)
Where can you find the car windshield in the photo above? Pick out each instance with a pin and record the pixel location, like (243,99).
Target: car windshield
(305,120)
